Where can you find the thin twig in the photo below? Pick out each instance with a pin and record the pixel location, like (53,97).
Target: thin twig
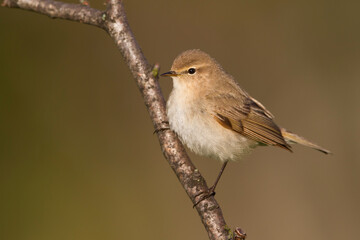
(114,21)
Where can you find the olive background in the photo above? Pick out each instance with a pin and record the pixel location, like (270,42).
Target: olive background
(78,158)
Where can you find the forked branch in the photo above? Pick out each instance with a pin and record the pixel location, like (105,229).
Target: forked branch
(115,23)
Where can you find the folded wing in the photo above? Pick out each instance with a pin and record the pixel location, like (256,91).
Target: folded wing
(247,117)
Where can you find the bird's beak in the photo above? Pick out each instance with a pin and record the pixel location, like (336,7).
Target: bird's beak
(169,74)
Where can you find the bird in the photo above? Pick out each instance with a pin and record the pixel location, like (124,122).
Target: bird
(214,117)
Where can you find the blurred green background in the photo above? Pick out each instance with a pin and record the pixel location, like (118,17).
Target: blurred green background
(78,159)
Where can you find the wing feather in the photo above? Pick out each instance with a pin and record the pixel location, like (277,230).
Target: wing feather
(248,117)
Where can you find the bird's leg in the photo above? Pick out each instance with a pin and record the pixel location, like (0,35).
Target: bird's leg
(211,191)
(212,188)
(162,128)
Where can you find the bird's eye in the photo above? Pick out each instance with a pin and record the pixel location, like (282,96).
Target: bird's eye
(191,70)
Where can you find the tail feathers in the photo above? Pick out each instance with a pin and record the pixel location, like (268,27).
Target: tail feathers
(293,138)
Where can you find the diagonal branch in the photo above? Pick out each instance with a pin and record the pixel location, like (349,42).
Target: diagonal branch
(114,21)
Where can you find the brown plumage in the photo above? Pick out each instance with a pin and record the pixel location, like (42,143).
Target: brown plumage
(202,89)
(215,117)
(251,120)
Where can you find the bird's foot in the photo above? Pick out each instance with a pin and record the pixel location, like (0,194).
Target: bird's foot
(161,129)
(206,194)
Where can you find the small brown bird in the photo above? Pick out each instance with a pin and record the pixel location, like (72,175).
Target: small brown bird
(215,117)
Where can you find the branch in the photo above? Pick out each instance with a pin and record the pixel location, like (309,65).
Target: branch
(54,9)
(114,21)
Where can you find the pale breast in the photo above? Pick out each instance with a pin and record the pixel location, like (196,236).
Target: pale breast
(199,130)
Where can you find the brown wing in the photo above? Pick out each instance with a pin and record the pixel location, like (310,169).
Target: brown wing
(248,117)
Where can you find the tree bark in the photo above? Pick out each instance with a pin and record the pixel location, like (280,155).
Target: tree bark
(115,23)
